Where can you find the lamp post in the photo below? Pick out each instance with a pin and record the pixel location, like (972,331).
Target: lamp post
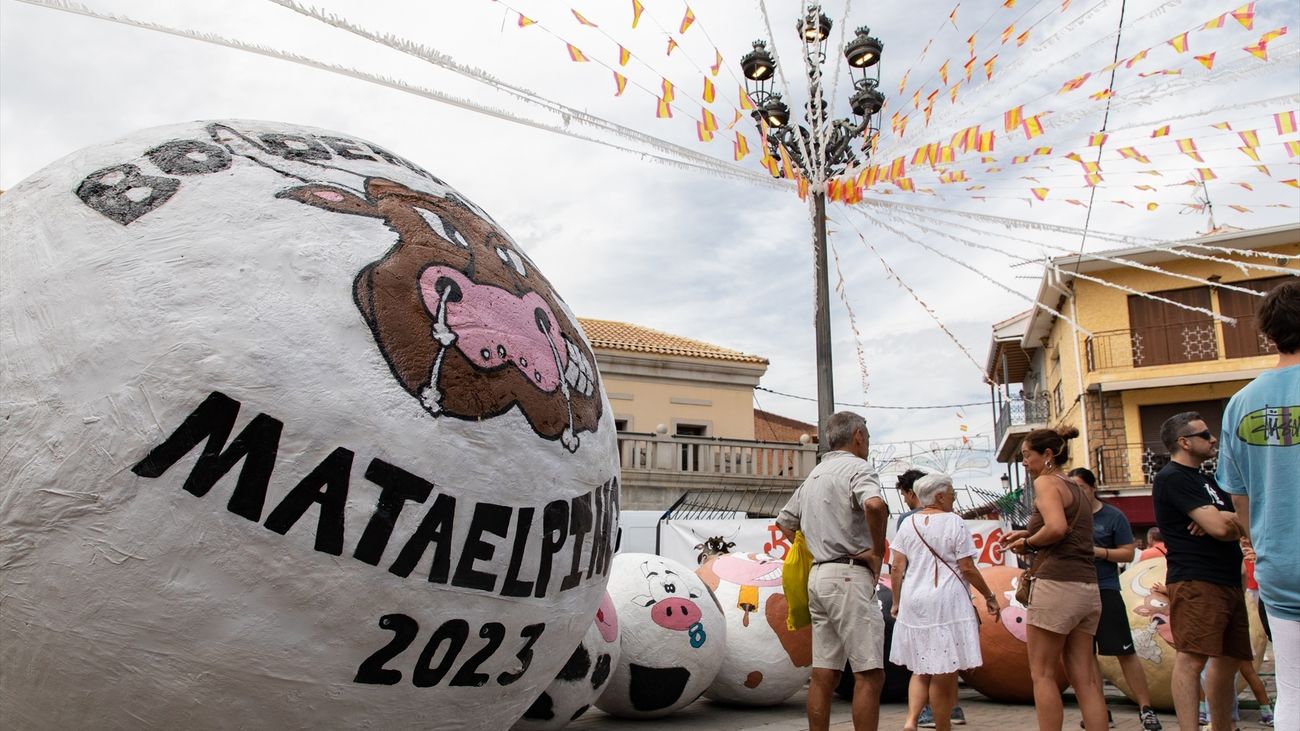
(820,150)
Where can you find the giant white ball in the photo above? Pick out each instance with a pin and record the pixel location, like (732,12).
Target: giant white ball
(295,436)
(674,637)
(765,662)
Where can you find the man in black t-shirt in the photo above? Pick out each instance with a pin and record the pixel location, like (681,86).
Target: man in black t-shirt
(1207,610)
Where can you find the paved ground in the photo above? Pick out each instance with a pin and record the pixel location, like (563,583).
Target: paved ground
(981,713)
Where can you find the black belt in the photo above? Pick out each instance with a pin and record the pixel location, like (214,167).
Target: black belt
(847,560)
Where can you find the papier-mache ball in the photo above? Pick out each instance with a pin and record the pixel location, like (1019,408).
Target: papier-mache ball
(295,436)
(583,677)
(765,661)
(674,637)
(1004,676)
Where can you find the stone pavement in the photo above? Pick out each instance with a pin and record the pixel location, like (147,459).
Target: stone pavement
(981,713)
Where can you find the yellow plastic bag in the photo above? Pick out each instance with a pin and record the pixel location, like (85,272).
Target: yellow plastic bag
(794,580)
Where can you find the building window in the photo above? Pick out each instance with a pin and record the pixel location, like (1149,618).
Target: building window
(1058,400)
(1244,339)
(1161,333)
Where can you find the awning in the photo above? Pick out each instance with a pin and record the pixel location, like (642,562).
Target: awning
(1139,509)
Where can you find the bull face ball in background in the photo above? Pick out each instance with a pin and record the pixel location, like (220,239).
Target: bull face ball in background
(674,637)
(765,662)
(296,436)
(1153,639)
(1004,676)
(897,677)
(583,677)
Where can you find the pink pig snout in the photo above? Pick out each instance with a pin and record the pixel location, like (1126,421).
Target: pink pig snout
(675,613)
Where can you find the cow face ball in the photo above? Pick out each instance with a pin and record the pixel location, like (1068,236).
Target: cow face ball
(580,682)
(296,436)
(765,662)
(674,637)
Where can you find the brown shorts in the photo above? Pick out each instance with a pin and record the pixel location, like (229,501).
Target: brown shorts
(1064,606)
(1209,619)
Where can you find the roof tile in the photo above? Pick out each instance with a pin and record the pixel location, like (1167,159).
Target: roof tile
(617,335)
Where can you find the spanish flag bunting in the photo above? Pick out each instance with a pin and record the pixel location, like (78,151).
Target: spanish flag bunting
(1111,67)
(1039,193)
(670,94)
(1097,139)
(575,54)
(620,82)
(1239,209)
(1007,4)
(1245,15)
(1250,152)
(1090,166)
(735,119)
(946,154)
(1156,173)
(1247,186)
(703,132)
(1249,137)
(1065,5)
(686,20)
(1292,148)
(1187,146)
(1074,83)
(745,103)
(1162,72)
(1022,39)
(664,111)
(1123,203)
(672,44)
(1102,95)
(943,73)
(1145,187)
(986,142)
(1160,131)
(709,92)
(1075,157)
(916,99)
(1018,159)
(833,187)
(1042,150)
(710,121)
(929,109)
(1264,169)
(637,8)
(1207,60)
(803,188)
(993,170)
(1091,180)
(969,67)
(1293,183)
(988,67)
(1131,153)
(927,47)
(952,17)
(624,56)
(897,169)
(902,125)
(581,19)
(1206,173)
(1074,202)
(1179,42)
(1215,22)
(1007,32)
(902,83)
(1012,118)
(905,184)
(524,21)
(918,156)
(717,62)
(952,93)
(769,162)
(1136,57)
(1285,122)
(1152,206)
(971,138)
(1222,125)
(1033,127)
(741,146)
(786,166)
(970,43)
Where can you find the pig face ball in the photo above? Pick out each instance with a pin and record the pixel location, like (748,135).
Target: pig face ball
(765,661)
(673,637)
(296,436)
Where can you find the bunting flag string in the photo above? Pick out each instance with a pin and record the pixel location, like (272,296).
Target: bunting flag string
(853,322)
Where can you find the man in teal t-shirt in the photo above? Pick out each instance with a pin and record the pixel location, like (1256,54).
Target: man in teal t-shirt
(1259,465)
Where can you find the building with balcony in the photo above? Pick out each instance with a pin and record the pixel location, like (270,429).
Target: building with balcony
(1128,361)
(686,422)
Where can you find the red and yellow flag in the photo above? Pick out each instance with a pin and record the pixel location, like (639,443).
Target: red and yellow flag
(670,94)
(1012,118)
(1179,42)
(575,54)
(1039,193)
(709,120)
(1215,22)
(1136,57)
(717,62)
(1102,95)
(1249,137)
(637,9)
(709,92)
(986,142)
(1206,174)
(1207,60)
(741,146)
(1250,152)
(1074,83)
(705,134)
(1022,39)
(1033,127)
(524,22)
(1131,153)
(581,19)
(664,110)
(943,72)
(1091,180)
(1292,148)
(1222,125)
(624,56)
(686,20)
(902,83)
(1264,169)
(970,43)
(620,82)
(1294,183)
(1097,139)
(1020,159)
(1160,131)
(952,17)
(1007,32)
(672,44)
(1145,187)
(1245,15)
(745,103)
(1152,206)
(1042,151)
(1187,146)
(969,67)
(988,67)
(1285,122)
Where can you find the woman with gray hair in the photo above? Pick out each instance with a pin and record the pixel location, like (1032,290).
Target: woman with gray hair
(937,628)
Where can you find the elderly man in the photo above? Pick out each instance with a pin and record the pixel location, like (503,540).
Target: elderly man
(1207,609)
(842,513)
(1258,464)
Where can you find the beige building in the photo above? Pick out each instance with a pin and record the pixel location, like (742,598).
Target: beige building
(685,415)
(1130,361)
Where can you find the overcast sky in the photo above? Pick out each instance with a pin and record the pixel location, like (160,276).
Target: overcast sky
(706,256)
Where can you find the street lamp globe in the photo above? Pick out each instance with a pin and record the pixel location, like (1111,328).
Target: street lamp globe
(867,99)
(815,27)
(758,64)
(775,112)
(864,50)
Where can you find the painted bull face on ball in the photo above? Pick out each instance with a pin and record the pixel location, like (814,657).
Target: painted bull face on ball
(467,324)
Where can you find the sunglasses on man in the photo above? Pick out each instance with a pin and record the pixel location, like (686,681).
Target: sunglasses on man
(1202,434)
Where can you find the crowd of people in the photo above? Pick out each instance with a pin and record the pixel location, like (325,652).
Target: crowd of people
(1206,526)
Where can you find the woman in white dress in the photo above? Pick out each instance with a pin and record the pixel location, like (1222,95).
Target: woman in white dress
(937,630)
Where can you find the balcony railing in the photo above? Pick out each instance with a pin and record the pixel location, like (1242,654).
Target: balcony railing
(1020,412)
(1133,465)
(712,456)
(1152,345)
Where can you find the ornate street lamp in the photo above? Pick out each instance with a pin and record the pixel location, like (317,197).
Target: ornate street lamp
(821,149)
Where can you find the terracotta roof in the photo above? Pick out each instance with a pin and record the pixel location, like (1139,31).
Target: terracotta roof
(776,428)
(626,336)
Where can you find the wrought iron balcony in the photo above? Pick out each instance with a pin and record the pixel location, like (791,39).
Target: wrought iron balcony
(1026,413)
(1133,465)
(1153,345)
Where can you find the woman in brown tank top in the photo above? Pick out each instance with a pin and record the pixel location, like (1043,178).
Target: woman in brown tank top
(1064,606)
